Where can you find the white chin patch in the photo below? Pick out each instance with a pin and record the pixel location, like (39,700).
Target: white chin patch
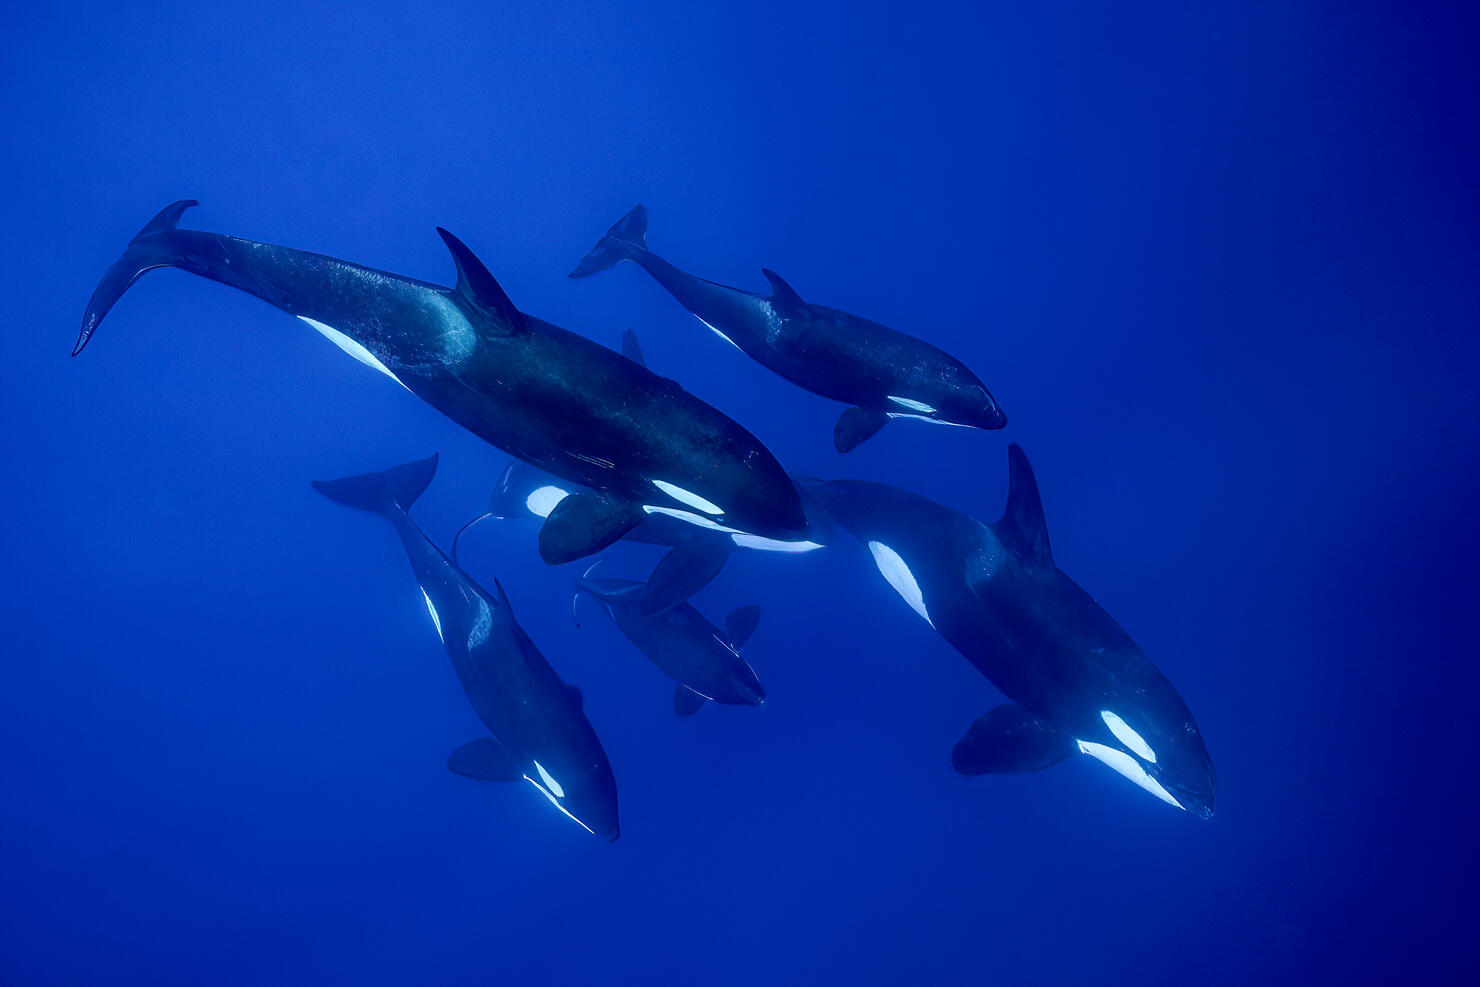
(555,801)
(898,575)
(912,404)
(760,544)
(1126,766)
(691,518)
(923,418)
(436,621)
(351,347)
(542,500)
(688,497)
(1127,736)
(742,538)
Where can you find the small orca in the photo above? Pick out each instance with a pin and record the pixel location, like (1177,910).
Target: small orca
(702,659)
(639,442)
(1077,681)
(697,554)
(540,732)
(882,372)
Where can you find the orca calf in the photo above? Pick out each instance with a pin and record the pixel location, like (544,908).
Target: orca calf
(702,659)
(882,372)
(1077,681)
(639,442)
(697,554)
(540,733)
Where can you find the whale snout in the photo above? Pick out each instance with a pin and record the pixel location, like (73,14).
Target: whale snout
(991,415)
(1199,804)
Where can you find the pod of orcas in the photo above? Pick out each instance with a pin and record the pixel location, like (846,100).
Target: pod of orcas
(604,450)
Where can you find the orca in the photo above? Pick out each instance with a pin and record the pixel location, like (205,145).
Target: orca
(1077,682)
(881,372)
(696,554)
(704,660)
(539,731)
(639,442)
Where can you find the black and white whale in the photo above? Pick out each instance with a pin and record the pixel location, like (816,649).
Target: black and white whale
(540,733)
(1077,681)
(696,553)
(882,372)
(702,659)
(640,443)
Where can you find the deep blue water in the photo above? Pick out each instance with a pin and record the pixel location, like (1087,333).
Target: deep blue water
(1217,262)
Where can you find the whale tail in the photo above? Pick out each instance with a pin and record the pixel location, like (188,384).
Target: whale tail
(145,252)
(388,493)
(624,241)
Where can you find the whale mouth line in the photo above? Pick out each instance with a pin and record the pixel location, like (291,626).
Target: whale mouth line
(711,524)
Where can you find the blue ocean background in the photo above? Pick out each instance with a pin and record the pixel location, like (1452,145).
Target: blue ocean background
(1217,262)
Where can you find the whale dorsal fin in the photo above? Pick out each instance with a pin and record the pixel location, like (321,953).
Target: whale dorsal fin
(1022,524)
(783,296)
(630,349)
(477,289)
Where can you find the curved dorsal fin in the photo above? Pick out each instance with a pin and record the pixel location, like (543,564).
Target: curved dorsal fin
(477,288)
(630,349)
(1022,524)
(783,295)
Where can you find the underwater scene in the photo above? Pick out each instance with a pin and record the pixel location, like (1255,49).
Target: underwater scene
(651,493)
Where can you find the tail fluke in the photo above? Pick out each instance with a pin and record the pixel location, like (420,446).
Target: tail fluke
(382,493)
(625,239)
(145,252)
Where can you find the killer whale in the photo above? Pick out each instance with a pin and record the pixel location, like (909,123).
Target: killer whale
(882,372)
(1076,681)
(539,731)
(696,554)
(702,659)
(640,443)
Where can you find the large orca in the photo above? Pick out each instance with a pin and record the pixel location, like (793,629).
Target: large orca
(882,372)
(641,443)
(702,659)
(696,553)
(1077,681)
(540,732)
